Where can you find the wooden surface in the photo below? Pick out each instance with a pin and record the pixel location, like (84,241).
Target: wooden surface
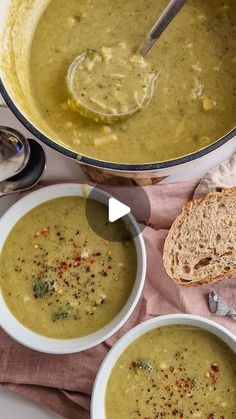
(103,177)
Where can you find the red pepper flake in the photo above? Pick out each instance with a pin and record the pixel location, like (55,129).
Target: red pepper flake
(213,378)
(45,232)
(90,260)
(133,365)
(64,265)
(215,367)
(96,254)
(177,382)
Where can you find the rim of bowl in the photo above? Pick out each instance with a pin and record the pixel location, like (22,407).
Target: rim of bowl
(103,164)
(38,342)
(103,374)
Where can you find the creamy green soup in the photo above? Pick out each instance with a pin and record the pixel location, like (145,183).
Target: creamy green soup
(174,371)
(58,277)
(194,101)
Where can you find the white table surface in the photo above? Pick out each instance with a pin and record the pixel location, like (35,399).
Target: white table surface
(13,406)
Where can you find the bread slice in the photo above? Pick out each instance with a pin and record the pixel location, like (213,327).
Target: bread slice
(201,245)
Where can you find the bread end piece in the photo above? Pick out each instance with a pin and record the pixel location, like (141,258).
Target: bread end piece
(201,245)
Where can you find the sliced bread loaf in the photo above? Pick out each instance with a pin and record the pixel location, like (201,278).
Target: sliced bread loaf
(201,245)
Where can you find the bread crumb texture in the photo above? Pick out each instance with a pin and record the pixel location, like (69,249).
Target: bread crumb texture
(200,247)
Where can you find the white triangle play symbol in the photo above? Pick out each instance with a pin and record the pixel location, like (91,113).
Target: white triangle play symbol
(117,210)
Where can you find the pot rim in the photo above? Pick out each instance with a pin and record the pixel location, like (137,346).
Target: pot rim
(103,164)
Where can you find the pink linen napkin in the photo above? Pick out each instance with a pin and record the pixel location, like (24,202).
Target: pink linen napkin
(64,383)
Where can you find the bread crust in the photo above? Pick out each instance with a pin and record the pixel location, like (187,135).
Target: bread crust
(186,212)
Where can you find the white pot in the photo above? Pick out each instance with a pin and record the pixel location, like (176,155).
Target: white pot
(63,346)
(99,390)
(17,22)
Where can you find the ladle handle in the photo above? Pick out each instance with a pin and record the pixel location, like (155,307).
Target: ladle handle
(164,20)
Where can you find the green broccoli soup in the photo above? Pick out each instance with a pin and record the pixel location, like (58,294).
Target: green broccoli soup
(58,277)
(173,371)
(193,101)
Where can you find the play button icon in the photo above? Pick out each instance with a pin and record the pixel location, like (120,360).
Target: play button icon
(117,210)
(125,214)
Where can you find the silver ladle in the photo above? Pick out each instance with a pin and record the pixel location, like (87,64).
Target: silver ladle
(31,173)
(14,152)
(162,23)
